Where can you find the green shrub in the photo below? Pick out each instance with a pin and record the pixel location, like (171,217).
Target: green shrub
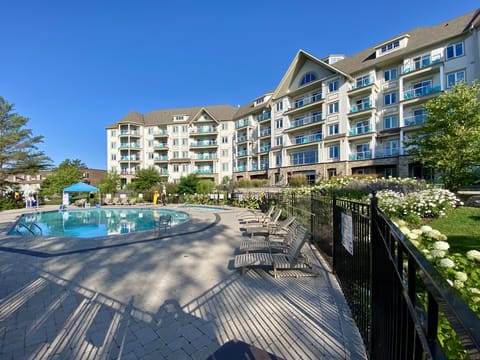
(205,186)
(298,180)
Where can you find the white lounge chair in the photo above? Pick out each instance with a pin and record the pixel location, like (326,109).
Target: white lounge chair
(273,243)
(271,228)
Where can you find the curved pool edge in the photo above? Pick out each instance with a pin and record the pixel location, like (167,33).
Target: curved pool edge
(56,246)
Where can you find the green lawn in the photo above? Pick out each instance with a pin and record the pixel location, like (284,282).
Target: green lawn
(462,226)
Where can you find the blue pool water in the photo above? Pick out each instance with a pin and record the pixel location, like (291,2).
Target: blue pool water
(90,223)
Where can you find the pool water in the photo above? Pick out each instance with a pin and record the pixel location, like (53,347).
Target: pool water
(90,223)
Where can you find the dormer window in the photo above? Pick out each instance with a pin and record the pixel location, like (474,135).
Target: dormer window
(259,100)
(308,78)
(179,118)
(390,46)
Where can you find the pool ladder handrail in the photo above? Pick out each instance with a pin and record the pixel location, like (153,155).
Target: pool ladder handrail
(29,228)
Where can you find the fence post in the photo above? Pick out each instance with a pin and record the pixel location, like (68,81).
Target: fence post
(335,231)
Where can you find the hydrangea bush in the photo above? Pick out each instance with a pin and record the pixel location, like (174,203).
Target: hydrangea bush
(460,270)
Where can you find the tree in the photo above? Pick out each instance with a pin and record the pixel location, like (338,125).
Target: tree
(110,183)
(449,141)
(67,173)
(146,179)
(188,184)
(18,147)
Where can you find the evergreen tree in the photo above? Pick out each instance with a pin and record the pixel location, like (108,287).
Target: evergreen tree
(18,147)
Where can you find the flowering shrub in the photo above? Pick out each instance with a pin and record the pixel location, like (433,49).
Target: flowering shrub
(428,203)
(461,271)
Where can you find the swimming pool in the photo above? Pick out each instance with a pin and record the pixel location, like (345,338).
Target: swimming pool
(203,207)
(90,223)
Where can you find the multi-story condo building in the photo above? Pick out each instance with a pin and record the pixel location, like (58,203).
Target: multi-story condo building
(176,142)
(328,116)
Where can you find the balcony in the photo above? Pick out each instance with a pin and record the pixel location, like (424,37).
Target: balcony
(414,120)
(264,166)
(362,155)
(204,171)
(360,107)
(203,130)
(206,157)
(265,116)
(129,146)
(386,152)
(130,133)
(303,104)
(241,168)
(160,158)
(305,121)
(163,172)
(265,132)
(241,153)
(420,91)
(360,130)
(308,139)
(244,138)
(265,148)
(160,146)
(361,84)
(130,158)
(204,143)
(160,133)
(242,124)
(422,64)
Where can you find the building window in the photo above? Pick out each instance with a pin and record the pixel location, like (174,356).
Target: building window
(333,129)
(113,145)
(150,156)
(113,157)
(185,155)
(308,78)
(455,77)
(224,126)
(390,74)
(390,122)
(333,108)
(150,143)
(362,81)
(390,172)
(304,157)
(278,159)
(279,123)
(184,129)
(175,129)
(175,142)
(279,106)
(333,86)
(390,46)
(224,139)
(113,133)
(175,167)
(278,140)
(390,99)
(176,154)
(150,131)
(185,141)
(331,173)
(454,50)
(225,166)
(334,152)
(224,152)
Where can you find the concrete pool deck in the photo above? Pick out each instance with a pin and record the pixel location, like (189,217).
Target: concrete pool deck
(170,295)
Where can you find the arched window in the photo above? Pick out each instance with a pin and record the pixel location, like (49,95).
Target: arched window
(308,78)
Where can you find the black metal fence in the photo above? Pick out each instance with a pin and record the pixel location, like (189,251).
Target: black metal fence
(396,297)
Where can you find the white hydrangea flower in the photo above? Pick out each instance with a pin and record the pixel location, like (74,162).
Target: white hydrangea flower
(458,284)
(426,229)
(417,231)
(473,255)
(474,291)
(447,263)
(405,230)
(441,245)
(476,299)
(412,236)
(461,276)
(437,253)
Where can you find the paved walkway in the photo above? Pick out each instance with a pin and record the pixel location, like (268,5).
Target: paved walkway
(173,296)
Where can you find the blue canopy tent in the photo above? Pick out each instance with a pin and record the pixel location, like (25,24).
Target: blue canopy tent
(78,187)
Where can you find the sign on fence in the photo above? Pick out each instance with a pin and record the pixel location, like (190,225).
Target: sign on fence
(347,233)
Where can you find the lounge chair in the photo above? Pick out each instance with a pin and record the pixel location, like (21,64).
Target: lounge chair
(274,243)
(291,260)
(271,221)
(165,222)
(258,217)
(271,228)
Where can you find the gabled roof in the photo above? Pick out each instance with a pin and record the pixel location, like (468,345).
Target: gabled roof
(133,117)
(199,114)
(419,38)
(296,65)
(251,108)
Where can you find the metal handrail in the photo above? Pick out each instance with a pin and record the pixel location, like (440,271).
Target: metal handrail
(38,227)
(19,225)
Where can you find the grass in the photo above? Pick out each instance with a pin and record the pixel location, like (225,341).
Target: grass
(462,227)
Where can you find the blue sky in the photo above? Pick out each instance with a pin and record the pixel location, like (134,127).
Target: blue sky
(75,67)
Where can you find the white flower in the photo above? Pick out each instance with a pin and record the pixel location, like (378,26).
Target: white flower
(412,236)
(441,245)
(474,291)
(426,229)
(461,276)
(473,255)
(476,299)
(458,284)
(447,263)
(437,253)
(405,230)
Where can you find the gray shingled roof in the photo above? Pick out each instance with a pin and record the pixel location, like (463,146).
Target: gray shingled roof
(422,37)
